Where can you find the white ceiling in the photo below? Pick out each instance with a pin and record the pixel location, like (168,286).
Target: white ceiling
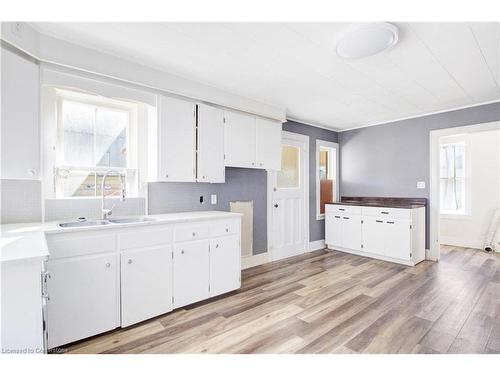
(434,66)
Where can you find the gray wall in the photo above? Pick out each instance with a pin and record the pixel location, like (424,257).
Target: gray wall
(241,185)
(388,160)
(316,227)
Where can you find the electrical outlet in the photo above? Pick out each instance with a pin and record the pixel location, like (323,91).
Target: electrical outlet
(213,199)
(420,184)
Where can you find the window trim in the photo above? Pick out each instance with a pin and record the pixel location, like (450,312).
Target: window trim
(466,213)
(333,145)
(137,158)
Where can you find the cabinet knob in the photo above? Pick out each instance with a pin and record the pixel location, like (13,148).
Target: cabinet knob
(194,234)
(260,164)
(129,261)
(182,251)
(108,265)
(227,230)
(216,246)
(276,205)
(253,163)
(166,175)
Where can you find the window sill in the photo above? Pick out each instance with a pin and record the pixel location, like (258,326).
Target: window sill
(458,216)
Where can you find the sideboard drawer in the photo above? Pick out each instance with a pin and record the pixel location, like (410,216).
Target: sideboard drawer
(402,213)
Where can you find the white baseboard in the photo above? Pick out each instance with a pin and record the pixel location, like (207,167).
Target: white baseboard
(461,242)
(254,260)
(317,245)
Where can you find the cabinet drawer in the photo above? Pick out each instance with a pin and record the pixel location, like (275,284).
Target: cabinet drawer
(74,244)
(224,228)
(186,232)
(145,237)
(402,213)
(339,209)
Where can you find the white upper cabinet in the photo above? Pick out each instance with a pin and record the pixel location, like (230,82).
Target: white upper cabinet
(252,142)
(20,117)
(239,140)
(210,167)
(268,144)
(177,146)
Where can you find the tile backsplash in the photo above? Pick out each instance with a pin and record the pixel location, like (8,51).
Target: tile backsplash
(21,201)
(63,209)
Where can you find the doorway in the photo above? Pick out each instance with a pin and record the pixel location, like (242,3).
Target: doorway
(288,199)
(464,185)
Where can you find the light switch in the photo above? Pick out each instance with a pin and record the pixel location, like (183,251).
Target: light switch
(213,199)
(420,184)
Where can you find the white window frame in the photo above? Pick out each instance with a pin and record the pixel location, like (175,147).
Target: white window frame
(52,149)
(466,212)
(332,145)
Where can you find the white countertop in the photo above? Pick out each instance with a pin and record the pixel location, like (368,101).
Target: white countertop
(27,240)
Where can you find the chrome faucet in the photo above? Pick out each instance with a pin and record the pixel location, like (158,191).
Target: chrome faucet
(107,212)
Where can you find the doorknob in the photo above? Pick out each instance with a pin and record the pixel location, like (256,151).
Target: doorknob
(276,205)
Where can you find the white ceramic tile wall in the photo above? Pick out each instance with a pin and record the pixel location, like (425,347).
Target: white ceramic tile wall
(20,201)
(61,209)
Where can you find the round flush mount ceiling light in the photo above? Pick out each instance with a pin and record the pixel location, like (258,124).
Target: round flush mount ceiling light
(366,40)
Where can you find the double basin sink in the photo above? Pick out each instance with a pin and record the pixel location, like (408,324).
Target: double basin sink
(94,223)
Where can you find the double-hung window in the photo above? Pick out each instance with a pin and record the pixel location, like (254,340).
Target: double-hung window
(453,178)
(94,135)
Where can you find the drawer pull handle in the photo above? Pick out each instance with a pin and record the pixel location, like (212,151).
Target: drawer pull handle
(390,222)
(337,217)
(384,212)
(347,218)
(378,221)
(341,209)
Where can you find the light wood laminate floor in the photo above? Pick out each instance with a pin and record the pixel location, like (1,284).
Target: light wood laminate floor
(332,302)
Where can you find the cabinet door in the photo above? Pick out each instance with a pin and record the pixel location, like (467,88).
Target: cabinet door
(239,140)
(225,264)
(398,238)
(146,283)
(268,144)
(191,272)
(20,141)
(373,234)
(210,144)
(84,297)
(177,147)
(333,230)
(351,232)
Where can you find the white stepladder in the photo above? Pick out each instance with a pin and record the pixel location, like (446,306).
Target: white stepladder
(492,239)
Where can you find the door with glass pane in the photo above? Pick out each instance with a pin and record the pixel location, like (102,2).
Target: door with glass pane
(288,237)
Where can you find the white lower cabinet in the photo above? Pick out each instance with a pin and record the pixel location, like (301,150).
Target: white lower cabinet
(225,265)
(351,231)
(392,234)
(103,279)
(84,297)
(397,235)
(146,283)
(373,237)
(191,272)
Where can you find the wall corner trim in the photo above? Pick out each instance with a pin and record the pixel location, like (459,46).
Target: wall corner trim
(316,245)
(254,260)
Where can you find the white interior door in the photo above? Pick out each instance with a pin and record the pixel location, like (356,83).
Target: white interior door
(289,229)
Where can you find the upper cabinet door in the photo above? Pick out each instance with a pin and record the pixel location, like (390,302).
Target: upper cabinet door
(210,144)
(177,140)
(239,140)
(20,117)
(268,143)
